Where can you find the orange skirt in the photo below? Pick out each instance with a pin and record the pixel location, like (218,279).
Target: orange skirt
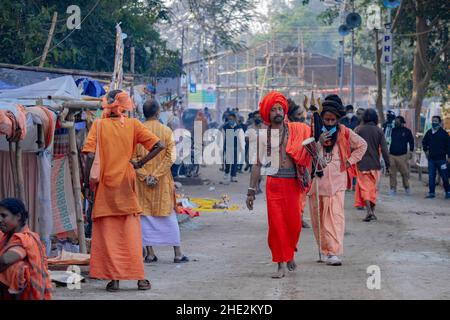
(366,187)
(116,248)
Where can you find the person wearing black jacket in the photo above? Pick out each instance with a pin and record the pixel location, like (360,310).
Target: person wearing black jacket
(436,145)
(401,138)
(350,120)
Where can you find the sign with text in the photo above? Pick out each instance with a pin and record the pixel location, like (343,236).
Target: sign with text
(387,46)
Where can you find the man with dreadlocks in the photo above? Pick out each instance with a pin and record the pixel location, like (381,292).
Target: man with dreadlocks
(342,149)
(287,181)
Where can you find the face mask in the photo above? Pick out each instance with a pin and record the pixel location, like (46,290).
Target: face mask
(331,129)
(258,121)
(435,125)
(301,119)
(350,115)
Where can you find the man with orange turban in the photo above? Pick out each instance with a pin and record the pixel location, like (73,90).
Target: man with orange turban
(116,248)
(278,153)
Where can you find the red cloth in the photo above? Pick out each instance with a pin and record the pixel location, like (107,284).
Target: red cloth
(189,212)
(268,102)
(366,187)
(285,216)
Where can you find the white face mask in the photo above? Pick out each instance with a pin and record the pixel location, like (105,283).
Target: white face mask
(349,115)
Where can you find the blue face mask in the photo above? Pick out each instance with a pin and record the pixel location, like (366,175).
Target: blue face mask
(330,131)
(435,125)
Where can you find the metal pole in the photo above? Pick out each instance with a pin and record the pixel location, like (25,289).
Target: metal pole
(388,68)
(341,72)
(352,68)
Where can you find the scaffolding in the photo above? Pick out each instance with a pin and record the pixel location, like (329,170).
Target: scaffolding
(278,63)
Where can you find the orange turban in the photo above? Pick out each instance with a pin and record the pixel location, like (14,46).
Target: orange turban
(122,102)
(266,104)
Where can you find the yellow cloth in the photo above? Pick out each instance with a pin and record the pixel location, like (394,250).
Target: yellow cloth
(206,205)
(158,201)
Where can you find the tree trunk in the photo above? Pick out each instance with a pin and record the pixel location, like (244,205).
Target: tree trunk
(421,70)
(379,101)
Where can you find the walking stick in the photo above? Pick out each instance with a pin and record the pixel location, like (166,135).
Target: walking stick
(311,146)
(318,221)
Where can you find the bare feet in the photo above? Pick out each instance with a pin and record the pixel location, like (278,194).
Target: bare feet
(281,271)
(291,265)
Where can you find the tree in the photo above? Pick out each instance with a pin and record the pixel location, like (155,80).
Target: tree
(421,36)
(432,49)
(24,26)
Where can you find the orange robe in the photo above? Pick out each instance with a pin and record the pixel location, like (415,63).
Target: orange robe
(349,147)
(116,248)
(28,278)
(285,199)
(366,187)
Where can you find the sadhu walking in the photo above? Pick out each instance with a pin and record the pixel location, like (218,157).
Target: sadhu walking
(116,248)
(287,181)
(341,148)
(369,168)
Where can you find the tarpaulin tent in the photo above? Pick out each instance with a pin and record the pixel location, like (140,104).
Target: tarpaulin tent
(45,92)
(48,191)
(90,87)
(7,86)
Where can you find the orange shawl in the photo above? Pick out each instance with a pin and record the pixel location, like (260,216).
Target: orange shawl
(29,276)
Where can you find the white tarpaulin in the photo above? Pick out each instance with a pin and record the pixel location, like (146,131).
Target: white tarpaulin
(59,87)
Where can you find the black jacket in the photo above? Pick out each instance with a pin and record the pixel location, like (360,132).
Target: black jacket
(437,144)
(350,123)
(400,138)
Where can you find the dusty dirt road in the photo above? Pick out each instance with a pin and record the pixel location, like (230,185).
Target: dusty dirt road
(230,258)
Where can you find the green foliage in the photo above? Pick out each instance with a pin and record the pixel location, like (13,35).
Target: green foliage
(24,28)
(223,21)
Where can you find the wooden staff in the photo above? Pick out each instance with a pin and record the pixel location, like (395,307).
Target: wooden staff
(69,124)
(49,39)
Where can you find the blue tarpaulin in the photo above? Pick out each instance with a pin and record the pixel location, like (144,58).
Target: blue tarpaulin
(4,85)
(91,88)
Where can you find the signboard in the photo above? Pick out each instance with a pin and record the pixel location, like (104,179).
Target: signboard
(387,46)
(205,95)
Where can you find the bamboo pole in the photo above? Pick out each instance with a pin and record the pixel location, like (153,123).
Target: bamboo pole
(75,168)
(19,167)
(49,39)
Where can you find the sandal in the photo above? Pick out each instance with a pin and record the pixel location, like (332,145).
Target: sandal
(110,287)
(183,259)
(144,285)
(148,260)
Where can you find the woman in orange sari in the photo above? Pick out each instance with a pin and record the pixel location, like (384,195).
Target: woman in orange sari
(23,263)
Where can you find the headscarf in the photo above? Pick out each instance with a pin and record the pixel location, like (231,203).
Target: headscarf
(122,102)
(268,102)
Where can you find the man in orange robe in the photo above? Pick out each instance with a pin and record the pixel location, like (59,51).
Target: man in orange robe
(287,181)
(341,148)
(116,248)
(369,168)
(23,263)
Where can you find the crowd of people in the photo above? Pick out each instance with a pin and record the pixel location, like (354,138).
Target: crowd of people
(130,163)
